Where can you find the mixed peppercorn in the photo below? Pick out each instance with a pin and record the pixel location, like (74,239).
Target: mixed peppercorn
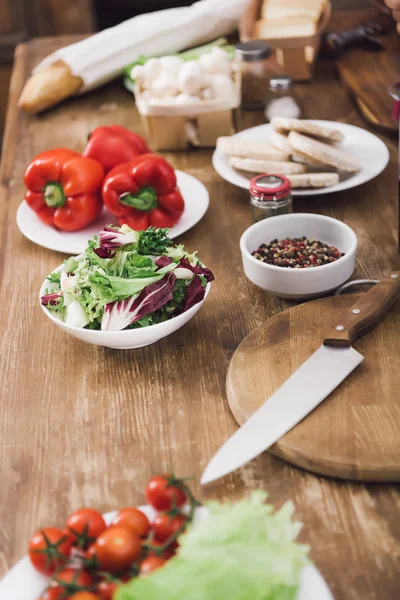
(297,253)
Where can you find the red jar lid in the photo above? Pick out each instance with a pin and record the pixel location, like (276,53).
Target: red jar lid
(270,186)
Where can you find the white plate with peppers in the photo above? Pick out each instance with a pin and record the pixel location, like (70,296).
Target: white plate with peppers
(194,193)
(172,548)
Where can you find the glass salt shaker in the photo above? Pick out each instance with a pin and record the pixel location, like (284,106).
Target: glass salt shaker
(255,66)
(281,99)
(270,195)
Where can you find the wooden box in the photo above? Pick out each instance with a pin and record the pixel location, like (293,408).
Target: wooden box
(180,127)
(296,56)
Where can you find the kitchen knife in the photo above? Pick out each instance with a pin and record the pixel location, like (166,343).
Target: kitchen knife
(313,381)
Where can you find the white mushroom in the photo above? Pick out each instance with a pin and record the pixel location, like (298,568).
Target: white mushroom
(187,99)
(216,61)
(221,86)
(172,64)
(191,77)
(207,93)
(164,86)
(152,70)
(137,72)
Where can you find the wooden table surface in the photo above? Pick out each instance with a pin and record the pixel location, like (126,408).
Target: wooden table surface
(85,425)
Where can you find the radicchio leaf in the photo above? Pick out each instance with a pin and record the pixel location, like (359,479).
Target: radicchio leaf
(194,294)
(118,315)
(163,261)
(103,252)
(53,299)
(111,239)
(207,274)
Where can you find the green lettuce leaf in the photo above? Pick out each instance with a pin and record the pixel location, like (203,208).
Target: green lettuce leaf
(243,551)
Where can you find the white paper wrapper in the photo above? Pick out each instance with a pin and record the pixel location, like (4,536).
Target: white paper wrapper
(103,56)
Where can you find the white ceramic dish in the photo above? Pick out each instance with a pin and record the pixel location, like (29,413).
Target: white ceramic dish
(22,582)
(130,338)
(74,242)
(372,153)
(299,283)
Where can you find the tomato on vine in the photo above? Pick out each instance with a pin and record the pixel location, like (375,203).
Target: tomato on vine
(151,563)
(85,525)
(49,549)
(67,583)
(165,492)
(117,549)
(165,526)
(133,519)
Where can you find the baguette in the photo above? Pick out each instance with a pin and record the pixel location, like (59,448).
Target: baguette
(248,149)
(325,153)
(265,166)
(48,87)
(265,30)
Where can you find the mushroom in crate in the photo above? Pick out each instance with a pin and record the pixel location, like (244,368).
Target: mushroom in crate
(188,99)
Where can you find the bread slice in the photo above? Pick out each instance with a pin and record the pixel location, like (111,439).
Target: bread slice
(313,180)
(302,158)
(280,140)
(265,166)
(325,153)
(304,126)
(249,149)
(267,30)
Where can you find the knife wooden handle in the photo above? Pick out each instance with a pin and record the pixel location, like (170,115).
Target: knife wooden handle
(366,313)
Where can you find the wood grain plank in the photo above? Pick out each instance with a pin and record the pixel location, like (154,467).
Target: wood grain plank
(88,425)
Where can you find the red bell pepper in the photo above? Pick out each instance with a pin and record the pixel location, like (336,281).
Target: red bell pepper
(64,188)
(143,193)
(114,145)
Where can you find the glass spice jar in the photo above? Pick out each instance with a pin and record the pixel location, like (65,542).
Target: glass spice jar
(255,66)
(270,195)
(281,99)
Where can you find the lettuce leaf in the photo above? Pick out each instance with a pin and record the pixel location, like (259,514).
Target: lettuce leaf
(242,551)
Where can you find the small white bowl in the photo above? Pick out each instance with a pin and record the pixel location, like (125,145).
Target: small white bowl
(127,339)
(299,283)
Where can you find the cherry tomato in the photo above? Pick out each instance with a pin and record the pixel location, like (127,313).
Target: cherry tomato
(116,549)
(167,553)
(106,589)
(49,549)
(165,526)
(151,563)
(67,583)
(163,496)
(133,519)
(85,596)
(85,525)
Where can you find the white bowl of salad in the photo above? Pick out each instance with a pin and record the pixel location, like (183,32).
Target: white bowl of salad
(127,290)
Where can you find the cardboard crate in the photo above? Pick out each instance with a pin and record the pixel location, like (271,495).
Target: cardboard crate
(297,55)
(182,127)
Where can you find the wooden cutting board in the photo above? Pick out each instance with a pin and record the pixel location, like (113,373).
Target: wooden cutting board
(355,433)
(367,76)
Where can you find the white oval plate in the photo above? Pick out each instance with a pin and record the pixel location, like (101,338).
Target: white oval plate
(22,582)
(372,153)
(193,191)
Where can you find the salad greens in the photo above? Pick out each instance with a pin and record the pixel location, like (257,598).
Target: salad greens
(126,279)
(242,551)
(186,55)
